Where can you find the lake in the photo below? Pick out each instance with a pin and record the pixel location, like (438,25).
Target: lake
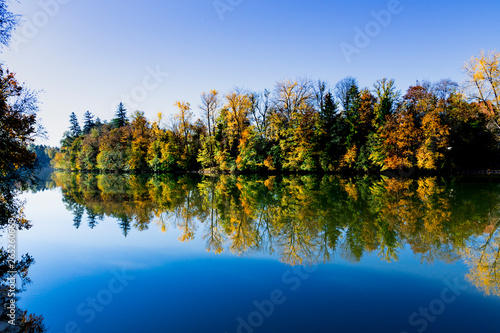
(124,253)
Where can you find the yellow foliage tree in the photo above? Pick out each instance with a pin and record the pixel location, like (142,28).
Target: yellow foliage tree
(483,82)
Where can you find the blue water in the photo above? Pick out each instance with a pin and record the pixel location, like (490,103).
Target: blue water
(99,281)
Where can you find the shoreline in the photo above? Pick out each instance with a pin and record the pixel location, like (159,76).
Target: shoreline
(391,173)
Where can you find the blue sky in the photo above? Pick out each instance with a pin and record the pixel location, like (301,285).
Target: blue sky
(88,55)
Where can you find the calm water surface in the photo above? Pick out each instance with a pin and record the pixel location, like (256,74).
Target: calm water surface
(274,254)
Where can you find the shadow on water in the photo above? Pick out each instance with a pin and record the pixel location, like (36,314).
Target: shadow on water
(304,219)
(14,270)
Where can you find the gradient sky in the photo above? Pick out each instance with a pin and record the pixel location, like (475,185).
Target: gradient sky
(85,55)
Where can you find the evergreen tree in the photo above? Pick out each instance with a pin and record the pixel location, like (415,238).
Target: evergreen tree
(77,216)
(121,116)
(74,128)
(331,128)
(125,225)
(329,112)
(91,217)
(351,106)
(88,122)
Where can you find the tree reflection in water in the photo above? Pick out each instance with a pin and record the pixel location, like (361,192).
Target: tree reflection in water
(305,219)
(12,216)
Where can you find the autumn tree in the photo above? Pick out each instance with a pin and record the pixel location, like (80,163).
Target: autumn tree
(18,124)
(210,104)
(231,123)
(292,97)
(252,152)
(89,149)
(182,121)
(141,138)
(482,255)
(113,149)
(238,106)
(256,144)
(293,121)
(435,140)
(416,135)
(363,130)
(187,135)
(400,137)
(483,83)
(18,129)
(260,111)
(163,152)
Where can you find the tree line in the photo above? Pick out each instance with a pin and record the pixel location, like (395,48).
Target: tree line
(303,125)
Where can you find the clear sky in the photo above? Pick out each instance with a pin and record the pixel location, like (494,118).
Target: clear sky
(90,54)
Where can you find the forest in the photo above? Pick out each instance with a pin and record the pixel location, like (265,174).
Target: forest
(304,126)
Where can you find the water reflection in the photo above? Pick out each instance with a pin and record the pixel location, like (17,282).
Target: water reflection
(14,266)
(305,219)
